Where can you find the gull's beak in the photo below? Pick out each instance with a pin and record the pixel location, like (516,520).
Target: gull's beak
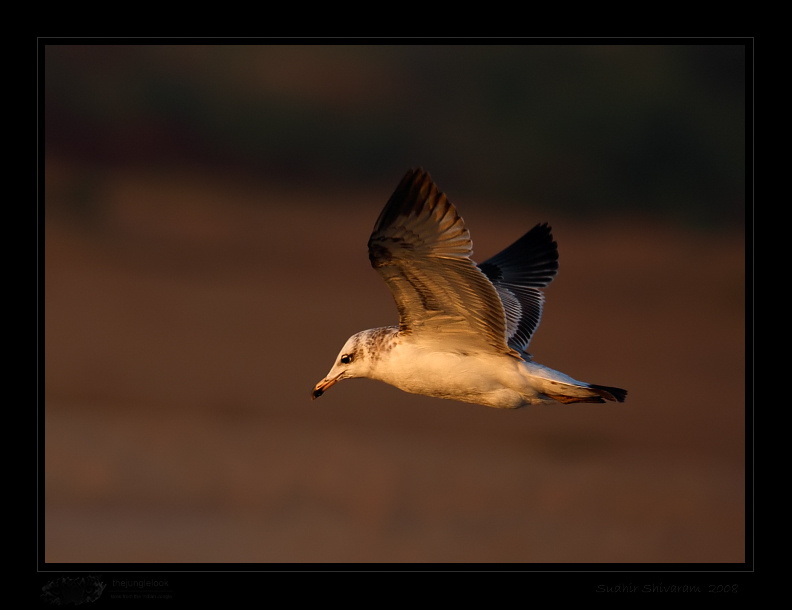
(322,386)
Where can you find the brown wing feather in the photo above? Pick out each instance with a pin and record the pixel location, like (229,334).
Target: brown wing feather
(422,249)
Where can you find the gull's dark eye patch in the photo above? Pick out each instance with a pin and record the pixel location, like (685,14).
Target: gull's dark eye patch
(347,358)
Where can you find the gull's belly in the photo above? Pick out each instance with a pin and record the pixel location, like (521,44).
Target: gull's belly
(489,379)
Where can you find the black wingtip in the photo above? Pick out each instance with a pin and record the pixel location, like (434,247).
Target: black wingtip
(531,261)
(615,394)
(415,188)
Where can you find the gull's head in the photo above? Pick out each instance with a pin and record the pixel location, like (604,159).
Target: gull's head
(352,361)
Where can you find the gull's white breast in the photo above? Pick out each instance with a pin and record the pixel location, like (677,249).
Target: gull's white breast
(491,379)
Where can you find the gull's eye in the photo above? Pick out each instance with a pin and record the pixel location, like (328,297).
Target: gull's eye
(347,358)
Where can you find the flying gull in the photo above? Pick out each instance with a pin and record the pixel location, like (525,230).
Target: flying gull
(463,328)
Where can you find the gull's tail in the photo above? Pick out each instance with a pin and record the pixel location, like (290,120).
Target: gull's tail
(563,388)
(588,392)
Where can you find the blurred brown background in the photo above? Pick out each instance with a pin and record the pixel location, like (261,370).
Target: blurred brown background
(207,210)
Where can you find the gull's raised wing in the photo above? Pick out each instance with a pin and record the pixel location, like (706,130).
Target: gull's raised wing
(422,249)
(518,272)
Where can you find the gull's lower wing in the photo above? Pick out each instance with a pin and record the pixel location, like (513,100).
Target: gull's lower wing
(518,272)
